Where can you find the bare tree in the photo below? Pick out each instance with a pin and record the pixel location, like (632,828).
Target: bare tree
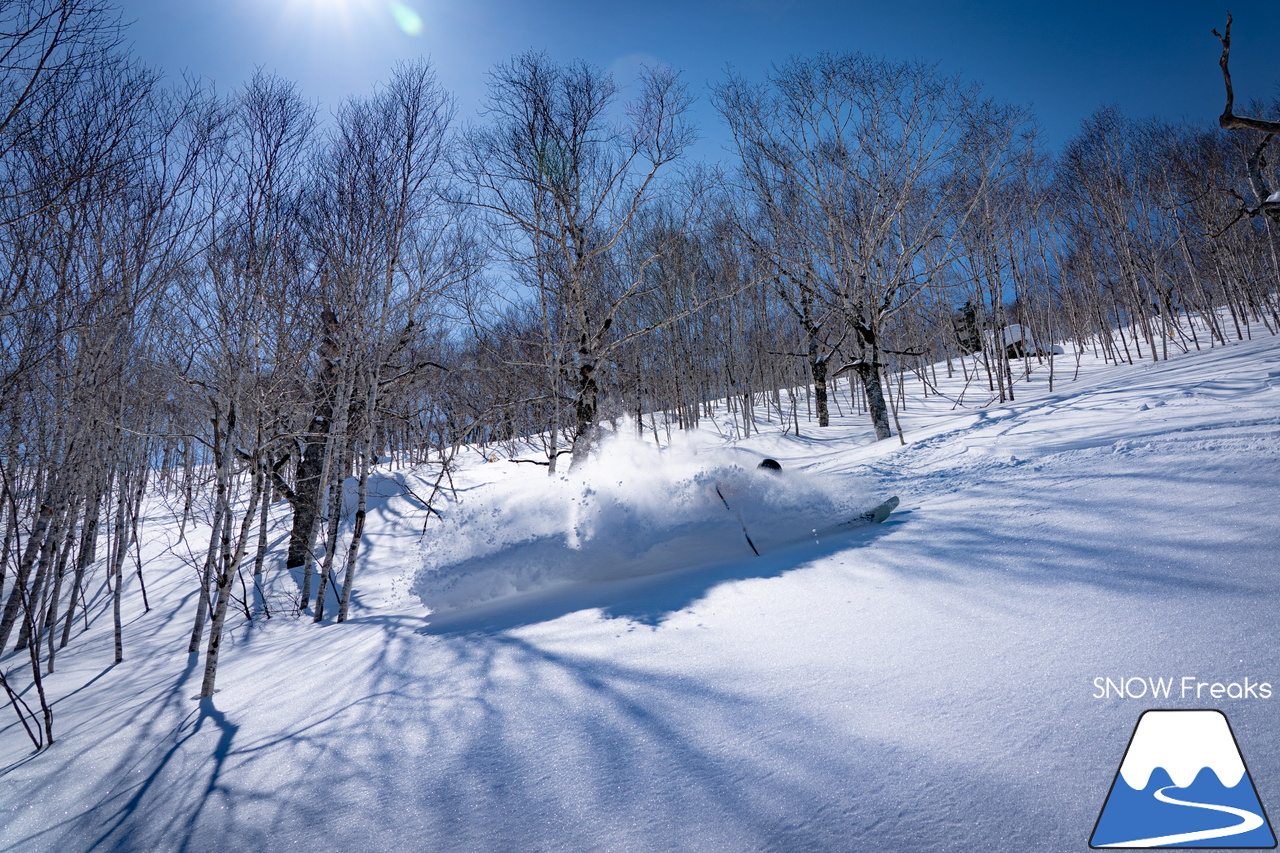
(873,167)
(388,243)
(48,50)
(564,177)
(1268,203)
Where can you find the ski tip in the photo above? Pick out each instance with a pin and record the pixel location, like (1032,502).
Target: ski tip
(881,512)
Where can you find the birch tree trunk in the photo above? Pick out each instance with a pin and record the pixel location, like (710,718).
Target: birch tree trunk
(229,565)
(365,450)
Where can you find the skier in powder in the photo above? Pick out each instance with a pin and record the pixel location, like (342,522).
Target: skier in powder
(726,490)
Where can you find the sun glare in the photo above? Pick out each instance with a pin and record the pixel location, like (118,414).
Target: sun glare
(409,21)
(348,13)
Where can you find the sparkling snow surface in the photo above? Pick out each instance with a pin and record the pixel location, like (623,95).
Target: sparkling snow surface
(925,684)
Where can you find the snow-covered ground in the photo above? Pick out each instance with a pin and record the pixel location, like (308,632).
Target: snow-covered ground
(608,667)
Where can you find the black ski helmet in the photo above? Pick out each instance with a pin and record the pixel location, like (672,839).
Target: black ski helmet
(770,465)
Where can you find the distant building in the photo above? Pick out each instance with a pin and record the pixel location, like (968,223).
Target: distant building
(1018,342)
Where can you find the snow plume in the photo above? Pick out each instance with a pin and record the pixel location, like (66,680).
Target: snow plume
(632,510)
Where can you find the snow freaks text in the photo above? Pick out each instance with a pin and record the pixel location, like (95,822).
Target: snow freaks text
(1183,687)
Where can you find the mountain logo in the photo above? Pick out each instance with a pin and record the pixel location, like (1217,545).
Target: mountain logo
(1183,783)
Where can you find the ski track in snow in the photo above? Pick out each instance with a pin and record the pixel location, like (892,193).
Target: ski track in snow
(923,685)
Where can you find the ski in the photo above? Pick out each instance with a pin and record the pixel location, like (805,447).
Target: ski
(876,515)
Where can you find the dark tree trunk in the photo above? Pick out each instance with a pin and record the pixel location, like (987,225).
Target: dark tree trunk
(85,557)
(309,482)
(586,414)
(306,490)
(34,543)
(869,373)
(868,369)
(818,368)
(47,565)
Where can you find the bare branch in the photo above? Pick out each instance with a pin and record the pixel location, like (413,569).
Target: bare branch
(1229,120)
(1267,203)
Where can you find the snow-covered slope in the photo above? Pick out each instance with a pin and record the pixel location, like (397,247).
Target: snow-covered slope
(925,684)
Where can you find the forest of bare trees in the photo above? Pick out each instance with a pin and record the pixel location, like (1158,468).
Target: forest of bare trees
(236,302)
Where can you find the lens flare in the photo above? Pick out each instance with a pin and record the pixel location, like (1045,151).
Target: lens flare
(409,21)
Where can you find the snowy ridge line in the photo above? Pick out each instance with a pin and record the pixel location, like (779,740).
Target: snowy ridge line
(1066,381)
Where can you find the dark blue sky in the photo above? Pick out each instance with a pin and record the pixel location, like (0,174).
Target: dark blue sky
(1064,59)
